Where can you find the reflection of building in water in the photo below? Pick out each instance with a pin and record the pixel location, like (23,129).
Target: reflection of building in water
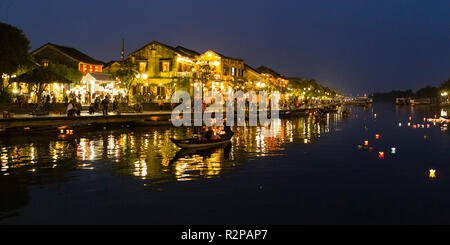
(148,152)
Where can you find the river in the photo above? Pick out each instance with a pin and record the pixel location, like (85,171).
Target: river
(295,171)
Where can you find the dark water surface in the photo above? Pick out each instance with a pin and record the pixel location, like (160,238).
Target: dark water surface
(297,171)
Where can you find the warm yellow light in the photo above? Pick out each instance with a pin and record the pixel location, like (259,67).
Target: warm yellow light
(144,76)
(138,75)
(432,173)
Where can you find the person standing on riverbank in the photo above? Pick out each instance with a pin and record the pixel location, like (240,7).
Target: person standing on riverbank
(105,103)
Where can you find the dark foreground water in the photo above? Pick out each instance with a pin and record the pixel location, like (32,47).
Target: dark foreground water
(297,171)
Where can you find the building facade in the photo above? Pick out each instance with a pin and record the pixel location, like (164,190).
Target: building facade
(163,70)
(56,54)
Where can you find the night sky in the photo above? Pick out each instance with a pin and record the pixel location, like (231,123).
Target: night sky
(356,46)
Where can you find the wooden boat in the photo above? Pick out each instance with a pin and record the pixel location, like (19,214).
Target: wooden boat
(196,143)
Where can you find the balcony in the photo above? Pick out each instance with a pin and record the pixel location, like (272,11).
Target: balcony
(184,74)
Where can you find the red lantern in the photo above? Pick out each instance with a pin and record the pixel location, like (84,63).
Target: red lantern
(381,154)
(366,142)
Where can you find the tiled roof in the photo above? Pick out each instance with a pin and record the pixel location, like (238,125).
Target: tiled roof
(73,53)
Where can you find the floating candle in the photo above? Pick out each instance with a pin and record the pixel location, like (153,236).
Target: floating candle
(432,173)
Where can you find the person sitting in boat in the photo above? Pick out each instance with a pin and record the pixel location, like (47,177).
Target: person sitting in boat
(208,134)
(228,129)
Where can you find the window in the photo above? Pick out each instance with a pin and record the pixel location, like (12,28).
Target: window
(233,71)
(142,66)
(45,63)
(225,70)
(165,66)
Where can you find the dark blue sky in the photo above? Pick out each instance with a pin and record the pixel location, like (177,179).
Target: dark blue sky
(355,46)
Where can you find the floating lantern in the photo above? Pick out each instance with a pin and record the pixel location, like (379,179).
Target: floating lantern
(377,136)
(399,124)
(371,148)
(381,154)
(62,131)
(423,126)
(432,173)
(366,142)
(425,137)
(409,124)
(428,125)
(71,131)
(305,141)
(360,146)
(424,119)
(375,115)
(414,126)
(410,118)
(393,150)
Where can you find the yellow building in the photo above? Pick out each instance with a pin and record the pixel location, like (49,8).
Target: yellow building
(163,69)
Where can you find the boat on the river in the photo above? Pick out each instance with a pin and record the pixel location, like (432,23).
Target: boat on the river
(198,143)
(421,101)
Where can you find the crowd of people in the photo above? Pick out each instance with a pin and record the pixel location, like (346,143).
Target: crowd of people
(99,103)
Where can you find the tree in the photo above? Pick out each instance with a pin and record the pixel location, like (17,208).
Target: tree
(69,73)
(445,86)
(14,47)
(128,76)
(428,92)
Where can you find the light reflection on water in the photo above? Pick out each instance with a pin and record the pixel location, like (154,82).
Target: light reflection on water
(95,164)
(149,154)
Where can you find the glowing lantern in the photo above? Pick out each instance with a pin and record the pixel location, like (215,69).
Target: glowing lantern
(410,118)
(432,173)
(399,124)
(428,125)
(381,154)
(62,131)
(414,126)
(375,115)
(360,146)
(393,150)
(409,124)
(366,142)
(377,136)
(371,148)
